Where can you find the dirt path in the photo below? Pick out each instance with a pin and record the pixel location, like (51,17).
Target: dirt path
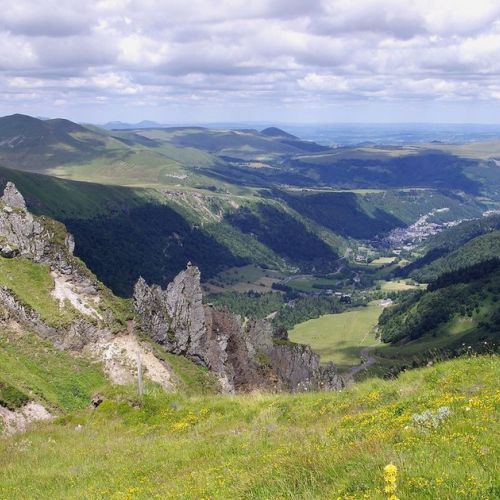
(370,359)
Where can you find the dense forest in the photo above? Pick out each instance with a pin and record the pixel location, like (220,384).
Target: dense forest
(289,309)
(341,213)
(471,292)
(285,235)
(446,242)
(152,241)
(426,169)
(477,250)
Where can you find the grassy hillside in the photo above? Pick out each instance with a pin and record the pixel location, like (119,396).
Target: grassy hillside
(31,283)
(396,167)
(62,199)
(141,231)
(153,233)
(470,293)
(32,369)
(318,445)
(35,145)
(459,241)
(477,250)
(192,195)
(228,160)
(339,337)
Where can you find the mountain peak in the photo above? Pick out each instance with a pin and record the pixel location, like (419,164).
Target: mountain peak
(277,132)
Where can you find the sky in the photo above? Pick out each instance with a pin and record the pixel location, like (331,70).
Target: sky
(283,61)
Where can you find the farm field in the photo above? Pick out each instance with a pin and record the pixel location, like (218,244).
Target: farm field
(382,261)
(340,337)
(306,285)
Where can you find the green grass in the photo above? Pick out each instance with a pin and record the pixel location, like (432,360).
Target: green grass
(191,379)
(34,368)
(399,286)
(382,261)
(31,283)
(244,279)
(61,199)
(128,168)
(317,445)
(306,285)
(339,337)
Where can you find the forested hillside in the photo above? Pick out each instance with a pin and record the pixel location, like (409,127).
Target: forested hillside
(452,240)
(470,295)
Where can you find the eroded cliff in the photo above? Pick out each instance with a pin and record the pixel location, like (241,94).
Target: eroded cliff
(243,354)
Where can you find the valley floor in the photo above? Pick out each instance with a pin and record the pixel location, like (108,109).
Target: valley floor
(340,337)
(438,426)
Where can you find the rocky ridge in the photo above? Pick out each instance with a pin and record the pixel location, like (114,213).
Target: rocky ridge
(93,328)
(45,241)
(243,354)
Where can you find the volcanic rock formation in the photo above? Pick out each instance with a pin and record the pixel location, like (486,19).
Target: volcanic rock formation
(243,354)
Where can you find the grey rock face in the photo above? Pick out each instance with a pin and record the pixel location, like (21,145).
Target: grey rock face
(329,379)
(12,197)
(299,369)
(46,241)
(297,365)
(242,355)
(174,317)
(20,232)
(36,238)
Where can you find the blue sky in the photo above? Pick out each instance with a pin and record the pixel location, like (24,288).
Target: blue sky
(202,61)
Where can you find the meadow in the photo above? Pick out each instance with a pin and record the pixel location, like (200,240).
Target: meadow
(399,286)
(340,337)
(432,433)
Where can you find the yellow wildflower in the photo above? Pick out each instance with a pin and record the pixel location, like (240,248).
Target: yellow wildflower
(390,475)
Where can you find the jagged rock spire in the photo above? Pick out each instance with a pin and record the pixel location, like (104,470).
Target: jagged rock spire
(12,197)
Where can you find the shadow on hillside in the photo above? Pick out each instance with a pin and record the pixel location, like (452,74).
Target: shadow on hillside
(152,241)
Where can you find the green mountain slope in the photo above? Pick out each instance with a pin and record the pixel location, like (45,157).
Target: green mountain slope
(141,231)
(28,143)
(477,250)
(396,167)
(444,251)
(318,445)
(33,369)
(460,306)
(347,214)
(231,160)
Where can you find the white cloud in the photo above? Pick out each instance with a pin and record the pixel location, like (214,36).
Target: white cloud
(159,52)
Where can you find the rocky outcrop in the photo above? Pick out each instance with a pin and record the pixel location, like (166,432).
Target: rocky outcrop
(299,368)
(12,197)
(91,327)
(46,241)
(174,317)
(18,420)
(244,355)
(23,234)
